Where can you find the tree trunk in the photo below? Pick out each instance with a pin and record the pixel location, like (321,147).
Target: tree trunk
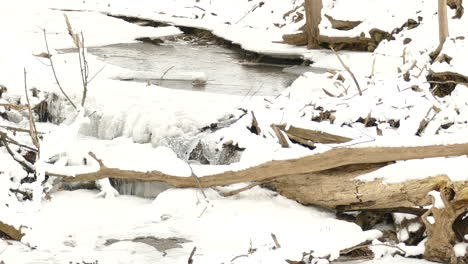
(313,17)
(443,21)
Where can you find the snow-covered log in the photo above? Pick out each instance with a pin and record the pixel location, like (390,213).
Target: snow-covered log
(325,179)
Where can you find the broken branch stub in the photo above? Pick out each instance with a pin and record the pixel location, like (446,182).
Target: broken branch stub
(441,236)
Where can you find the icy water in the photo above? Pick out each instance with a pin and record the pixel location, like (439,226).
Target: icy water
(183,61)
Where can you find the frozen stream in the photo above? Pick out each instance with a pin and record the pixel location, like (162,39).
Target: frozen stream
(223,67)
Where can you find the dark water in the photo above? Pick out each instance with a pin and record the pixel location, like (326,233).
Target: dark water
(224,69)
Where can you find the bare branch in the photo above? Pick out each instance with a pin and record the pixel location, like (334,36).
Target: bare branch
(165,72)
(54,72)
(190,260)
(32,125)
(22,161)
(348,70)
(84,68)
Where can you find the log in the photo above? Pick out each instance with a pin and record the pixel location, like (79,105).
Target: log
(10,231)
(312,135)
(333,158)
(339,190)
(297,39)
(281,138)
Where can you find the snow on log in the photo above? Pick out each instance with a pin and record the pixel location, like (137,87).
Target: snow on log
(333,158)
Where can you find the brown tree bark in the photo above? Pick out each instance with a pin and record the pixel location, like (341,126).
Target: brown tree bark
(313,10)
(443,21)
(325,179)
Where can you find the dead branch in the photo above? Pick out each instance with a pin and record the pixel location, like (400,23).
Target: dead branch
(301,141)
(54,72)
(273,236)
(17,129)
(255,128)
(18,158)
(348,70)
(27,195)
(4,136)
(12,106)
(248,187)
(32,124)
(10,231)
(190,260)
(346,251)
(165,72)
(198,181)
(281,138)
(314,136)
(84,69)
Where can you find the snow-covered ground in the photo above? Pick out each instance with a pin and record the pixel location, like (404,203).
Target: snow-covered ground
(132,126)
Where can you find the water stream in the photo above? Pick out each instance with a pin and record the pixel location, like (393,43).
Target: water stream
(225,69)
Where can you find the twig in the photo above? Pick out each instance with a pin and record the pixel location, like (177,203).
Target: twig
(250,11)
(54,72)
(96,74)
(166,71)
(28,196)
(240,256)
(237,191)
(373,67)
(26,165)
(190,260)
(15,107)
(84,69)
(346,251)
(352,258)
(32,125)
(198,181)
(14,142)
(16,129)
(348,70)
(196,7)
(273,236)
(99,161)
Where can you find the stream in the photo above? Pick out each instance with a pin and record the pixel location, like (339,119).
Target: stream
(225,70)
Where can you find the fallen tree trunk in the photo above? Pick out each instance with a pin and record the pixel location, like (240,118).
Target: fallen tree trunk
(333,158)
(338,189)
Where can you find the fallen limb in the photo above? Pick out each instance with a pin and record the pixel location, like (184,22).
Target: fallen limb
(348,70)
(339,190)
(13,106)
(312,135)
(281,138)
(336,157)
(10,231)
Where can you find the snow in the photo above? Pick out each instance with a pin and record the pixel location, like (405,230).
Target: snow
(133,126)
(438,203)
(460,249)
